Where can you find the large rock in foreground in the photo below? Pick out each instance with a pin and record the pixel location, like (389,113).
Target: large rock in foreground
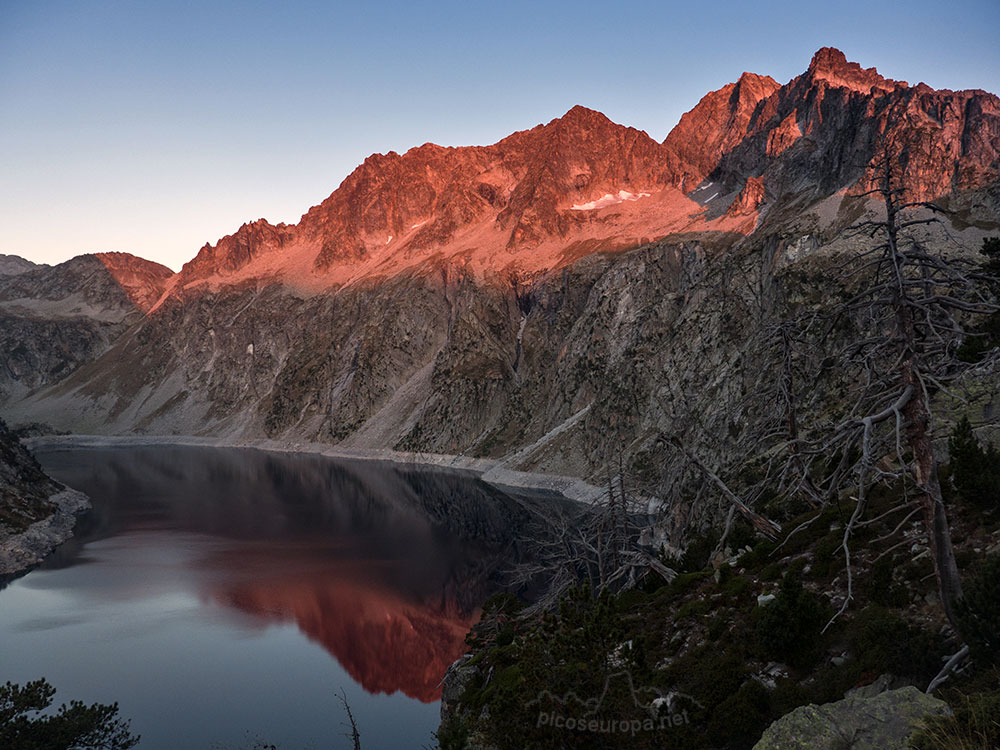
(858,722)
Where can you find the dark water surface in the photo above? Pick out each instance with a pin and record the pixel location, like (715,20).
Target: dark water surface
(222,595)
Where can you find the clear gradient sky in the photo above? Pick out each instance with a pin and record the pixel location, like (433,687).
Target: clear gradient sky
(154,127)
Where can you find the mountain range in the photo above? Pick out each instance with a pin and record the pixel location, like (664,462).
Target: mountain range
(565,295)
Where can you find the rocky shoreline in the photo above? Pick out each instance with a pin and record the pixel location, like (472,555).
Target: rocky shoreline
(491,471)
(24,551)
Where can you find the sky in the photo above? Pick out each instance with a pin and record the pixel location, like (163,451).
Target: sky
(155,127)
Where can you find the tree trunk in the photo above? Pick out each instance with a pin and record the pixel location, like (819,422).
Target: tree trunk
(918,425)
(929,487)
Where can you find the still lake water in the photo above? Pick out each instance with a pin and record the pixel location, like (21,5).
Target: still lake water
(222,595)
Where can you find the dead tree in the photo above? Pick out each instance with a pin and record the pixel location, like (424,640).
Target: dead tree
(907,310)
(354,735)
(601,546)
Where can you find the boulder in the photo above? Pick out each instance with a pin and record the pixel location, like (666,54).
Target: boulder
(858,722)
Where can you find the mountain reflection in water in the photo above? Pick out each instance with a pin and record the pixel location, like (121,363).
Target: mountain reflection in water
(384,640)
(384,566)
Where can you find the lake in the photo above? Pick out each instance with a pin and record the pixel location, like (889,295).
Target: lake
(225,596)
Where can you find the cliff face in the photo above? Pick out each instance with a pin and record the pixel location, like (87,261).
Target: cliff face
(516,300)
(142,281)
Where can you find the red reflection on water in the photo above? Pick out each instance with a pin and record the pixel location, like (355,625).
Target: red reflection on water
(385,640)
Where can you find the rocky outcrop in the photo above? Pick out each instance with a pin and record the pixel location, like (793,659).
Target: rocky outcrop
(750,197)
(36,513)
(859,722)
(21,552)
(458,677)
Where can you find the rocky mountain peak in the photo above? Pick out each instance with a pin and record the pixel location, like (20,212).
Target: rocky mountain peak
(517,193)
(831,65)
(817,133)
(717,124)
(750,89)
(580,118)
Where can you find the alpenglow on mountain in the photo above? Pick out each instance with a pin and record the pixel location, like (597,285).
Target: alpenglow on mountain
(520,300)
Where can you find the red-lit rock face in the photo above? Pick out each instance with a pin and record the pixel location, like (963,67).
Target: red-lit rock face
(820,133)
(718,123)
(533,201)
(142,280)
(749,199)
(521,189)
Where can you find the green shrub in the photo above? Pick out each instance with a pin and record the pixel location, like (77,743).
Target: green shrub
(788,695)
(882,589)
(974,469)
(788,629)
(23,725)
(693,608)
(681,585)
(980,340)
(718,628)
(759,555)
(883,642)
(771,572)
(711,675)
(741,535)
(632,599)
(503,603)
(740,719)
(723,573)
(699,551)
(828,555)
(453,734)
(978,612)
(737,587)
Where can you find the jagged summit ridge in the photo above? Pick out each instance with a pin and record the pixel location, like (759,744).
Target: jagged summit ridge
(820,133)
(579,178)
(831,65)
(545,196)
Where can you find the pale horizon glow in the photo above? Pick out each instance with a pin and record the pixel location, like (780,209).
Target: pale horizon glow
(154,128)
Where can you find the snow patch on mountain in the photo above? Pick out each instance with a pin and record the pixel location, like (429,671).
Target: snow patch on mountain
(609,199)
